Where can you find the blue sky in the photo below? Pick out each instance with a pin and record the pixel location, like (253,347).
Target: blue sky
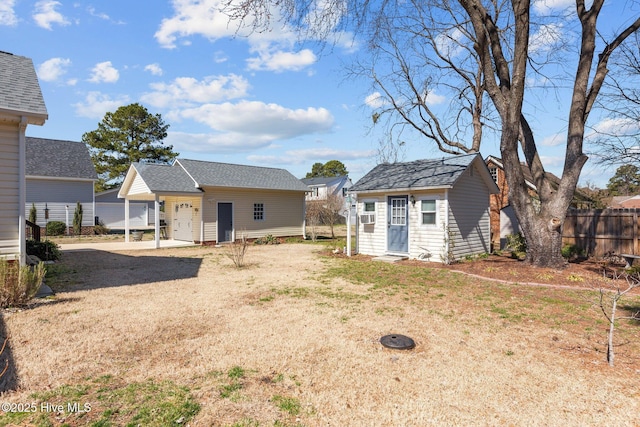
(262,99)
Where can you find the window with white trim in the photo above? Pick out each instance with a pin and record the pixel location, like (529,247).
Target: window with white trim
(494,173)
(369,206)
(428,212)
(258,211)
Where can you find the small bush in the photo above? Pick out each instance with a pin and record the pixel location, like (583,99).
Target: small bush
(46,250)
(269,239)
(237,250)
(56,228)
(19,283)
(101,229)
(33,213)
(570,252)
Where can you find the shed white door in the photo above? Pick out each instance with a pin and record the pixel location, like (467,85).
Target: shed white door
(183,222)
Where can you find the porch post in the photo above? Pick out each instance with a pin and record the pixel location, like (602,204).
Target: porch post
(156,207)
(126,220)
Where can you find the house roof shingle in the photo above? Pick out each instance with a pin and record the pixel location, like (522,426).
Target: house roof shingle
(419,174)
(321,180)
(19,88)
(166,178)
(58,159)
(213,174)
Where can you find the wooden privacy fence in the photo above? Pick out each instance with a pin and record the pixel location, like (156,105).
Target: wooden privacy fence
(599,231)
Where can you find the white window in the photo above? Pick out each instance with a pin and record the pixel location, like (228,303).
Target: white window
(258,211)
(314,191)
(428,212)
(369,206)
(398,211)
(494,173)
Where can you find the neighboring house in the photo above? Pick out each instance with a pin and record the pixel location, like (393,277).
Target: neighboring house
(110,211)
(59,175)
(429,209)
(503,217)
(21,104)
(625,202)
(208,202)
(320,188)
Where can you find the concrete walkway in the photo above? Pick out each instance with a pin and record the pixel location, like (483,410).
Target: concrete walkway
(122,246)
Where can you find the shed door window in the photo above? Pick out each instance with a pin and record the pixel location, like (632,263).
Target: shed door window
(428,211)
(258,211)
(398,212)
(369,206)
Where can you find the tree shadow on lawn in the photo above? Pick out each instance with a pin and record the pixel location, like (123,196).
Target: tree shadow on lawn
(8,380)
(91,269)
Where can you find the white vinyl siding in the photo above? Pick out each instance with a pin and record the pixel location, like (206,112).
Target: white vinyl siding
(112,214)
(9,191)
(284,212)
(138,186)
(372,238)
(469,216)
(427,238)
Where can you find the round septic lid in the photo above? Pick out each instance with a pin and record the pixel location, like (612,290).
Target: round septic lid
(397,341)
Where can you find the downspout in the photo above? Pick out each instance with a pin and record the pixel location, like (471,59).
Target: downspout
(22,190)
(202,219)
(304,216)
(126,219)
(447,245)
(156,225)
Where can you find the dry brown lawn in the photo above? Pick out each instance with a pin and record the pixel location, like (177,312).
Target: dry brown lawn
(304,328)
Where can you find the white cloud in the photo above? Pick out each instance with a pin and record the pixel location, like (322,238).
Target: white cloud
(282,61)
(548,6)
(92,11)
(448,43)
(154,69)
(45,14)
(185,91)
(96,104)
(554,140)
(229,142)
(547,37)
(104,72)
(195,17)
(298,157)
(614,126)
(434,99)
(253,118)
(375,100)
(52,69)
(7,14)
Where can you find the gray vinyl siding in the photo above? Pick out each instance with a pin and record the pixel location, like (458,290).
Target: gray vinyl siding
(56,195)
(283,212)
(9,191)
(469,219)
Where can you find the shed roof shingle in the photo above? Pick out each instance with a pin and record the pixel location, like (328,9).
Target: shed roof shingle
(165,178)
(59,159)
(19,87)
(428,173)
(213,174)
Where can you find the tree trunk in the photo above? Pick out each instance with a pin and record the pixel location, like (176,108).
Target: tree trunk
(544,241)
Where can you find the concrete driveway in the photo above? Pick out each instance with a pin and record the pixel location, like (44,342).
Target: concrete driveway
(122,246)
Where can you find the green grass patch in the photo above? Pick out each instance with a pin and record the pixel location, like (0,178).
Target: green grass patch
(104,401)
(290,405)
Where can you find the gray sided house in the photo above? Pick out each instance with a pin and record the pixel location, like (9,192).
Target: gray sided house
(110,211)
(320,188)
(210,202)
(60,174)
(21,104)
(429,209)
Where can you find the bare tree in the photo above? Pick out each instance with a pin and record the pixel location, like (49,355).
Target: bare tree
(478,50)
(313,218)
(332,210)
(608,304)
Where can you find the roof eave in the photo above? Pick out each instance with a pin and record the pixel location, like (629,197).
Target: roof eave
(404,189)
(32,118)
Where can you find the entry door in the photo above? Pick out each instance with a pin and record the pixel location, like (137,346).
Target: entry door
(397,224)
(183,222)
(225,222)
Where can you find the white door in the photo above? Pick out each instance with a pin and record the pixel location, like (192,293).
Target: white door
(183,222)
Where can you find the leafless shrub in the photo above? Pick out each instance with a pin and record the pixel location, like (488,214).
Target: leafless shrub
(314,218)
(608,299)
(236,251)
(19,283)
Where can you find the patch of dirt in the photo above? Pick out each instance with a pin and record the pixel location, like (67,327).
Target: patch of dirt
(584,274)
